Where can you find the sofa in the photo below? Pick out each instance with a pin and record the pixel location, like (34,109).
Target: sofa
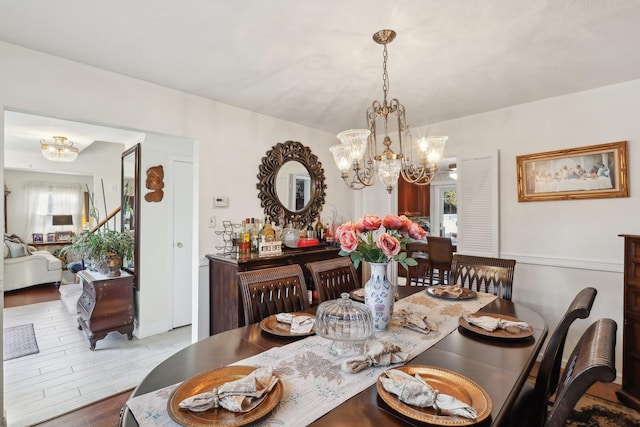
(25,266)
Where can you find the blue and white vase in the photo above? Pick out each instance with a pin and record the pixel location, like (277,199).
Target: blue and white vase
(379,296)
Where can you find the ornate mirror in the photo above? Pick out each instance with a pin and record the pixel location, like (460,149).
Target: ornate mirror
(291,184)
(130,204)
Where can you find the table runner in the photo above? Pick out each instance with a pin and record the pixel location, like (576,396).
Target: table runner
(313,382)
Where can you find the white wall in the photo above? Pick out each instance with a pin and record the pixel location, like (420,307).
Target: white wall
(231,141)
(561,246)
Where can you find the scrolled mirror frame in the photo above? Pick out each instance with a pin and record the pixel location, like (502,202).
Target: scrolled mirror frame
(279,154)
(135,151)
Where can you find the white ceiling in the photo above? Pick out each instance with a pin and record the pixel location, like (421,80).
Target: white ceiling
(314,62)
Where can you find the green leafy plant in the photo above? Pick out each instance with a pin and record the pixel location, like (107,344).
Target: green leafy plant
(102,245)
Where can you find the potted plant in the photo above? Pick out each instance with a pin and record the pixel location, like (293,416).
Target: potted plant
(106,248)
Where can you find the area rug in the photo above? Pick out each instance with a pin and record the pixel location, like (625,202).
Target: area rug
(19,341)
(591,411)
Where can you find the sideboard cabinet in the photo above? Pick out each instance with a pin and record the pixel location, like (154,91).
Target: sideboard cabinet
(106,305)
(225,304)
(630,391)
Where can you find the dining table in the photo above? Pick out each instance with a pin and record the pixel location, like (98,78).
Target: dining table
(500,367)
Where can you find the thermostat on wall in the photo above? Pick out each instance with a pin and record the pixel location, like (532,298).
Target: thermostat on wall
(221,201)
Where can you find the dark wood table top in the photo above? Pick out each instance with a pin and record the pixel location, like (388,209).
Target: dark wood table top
(500,367)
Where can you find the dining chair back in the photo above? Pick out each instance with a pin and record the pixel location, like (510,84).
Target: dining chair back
(333,277)
(491,275)
(533,399)
(592,360)
(440,251)
(418,274)
(271,291)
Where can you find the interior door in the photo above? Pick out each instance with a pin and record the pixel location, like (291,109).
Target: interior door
(182,242)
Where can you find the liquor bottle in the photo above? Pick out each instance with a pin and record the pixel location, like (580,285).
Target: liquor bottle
(246,237)
(320,230)
(255,233)
(310,232)
(267,231)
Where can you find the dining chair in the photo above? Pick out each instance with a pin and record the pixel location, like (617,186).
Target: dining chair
(533,399)
(491,275)
(440,250)
(592,360)
(418,274)
(271,291)
(333,277)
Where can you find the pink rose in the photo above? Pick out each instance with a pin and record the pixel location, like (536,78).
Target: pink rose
(415,231)
(392,222)
(349,241)
(389,245)
(368,223)
(342,229)
(405,222)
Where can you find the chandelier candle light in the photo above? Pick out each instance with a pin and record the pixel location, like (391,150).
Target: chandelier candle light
(387,246)
(60,150)
(358,150)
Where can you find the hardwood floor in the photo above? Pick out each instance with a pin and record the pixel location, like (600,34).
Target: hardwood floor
(106,413)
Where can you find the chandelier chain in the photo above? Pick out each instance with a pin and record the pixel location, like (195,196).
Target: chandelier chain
(385,75)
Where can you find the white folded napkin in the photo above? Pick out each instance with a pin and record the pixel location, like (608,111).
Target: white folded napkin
(376,353)
(241,395)
(413,321)
(491,323)
(415,391)
(299,324)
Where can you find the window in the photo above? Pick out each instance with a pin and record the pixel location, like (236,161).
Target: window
(47,199)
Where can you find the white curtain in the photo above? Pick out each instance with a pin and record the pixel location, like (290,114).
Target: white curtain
(47,199)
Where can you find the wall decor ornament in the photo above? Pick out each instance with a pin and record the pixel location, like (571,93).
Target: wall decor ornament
(155,182)
(269,172)
(590,172)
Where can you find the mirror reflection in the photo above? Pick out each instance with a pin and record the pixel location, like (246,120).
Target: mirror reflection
(130,204)
(293,186)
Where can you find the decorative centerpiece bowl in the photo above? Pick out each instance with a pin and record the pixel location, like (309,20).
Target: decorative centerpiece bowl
(348,323)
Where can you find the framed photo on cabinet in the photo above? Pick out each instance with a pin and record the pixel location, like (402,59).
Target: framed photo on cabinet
(591,172)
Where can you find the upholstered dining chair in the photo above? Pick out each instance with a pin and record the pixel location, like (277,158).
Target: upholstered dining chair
(533,399)
(486,274)
(418,274)
(333,277)
(592,360)
(440,251)
(271,291)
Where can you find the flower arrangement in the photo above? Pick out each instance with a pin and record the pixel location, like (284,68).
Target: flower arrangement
(357,239)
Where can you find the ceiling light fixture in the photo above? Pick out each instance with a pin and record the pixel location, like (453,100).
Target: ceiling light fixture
(60,150)
(358,150)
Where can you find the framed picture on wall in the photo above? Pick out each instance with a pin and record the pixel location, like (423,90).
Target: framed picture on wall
(51,237)
(37,237)
(590,172)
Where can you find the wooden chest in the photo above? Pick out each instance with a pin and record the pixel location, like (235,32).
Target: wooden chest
(106,305)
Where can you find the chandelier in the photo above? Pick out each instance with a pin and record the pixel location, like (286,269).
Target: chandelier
(60,150)
(359,148)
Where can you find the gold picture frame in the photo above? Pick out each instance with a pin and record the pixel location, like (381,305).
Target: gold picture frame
(591,172)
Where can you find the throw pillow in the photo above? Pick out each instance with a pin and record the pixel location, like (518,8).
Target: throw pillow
(7,254)
(17,250)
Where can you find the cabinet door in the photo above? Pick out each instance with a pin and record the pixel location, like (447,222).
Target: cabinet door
(413,200)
